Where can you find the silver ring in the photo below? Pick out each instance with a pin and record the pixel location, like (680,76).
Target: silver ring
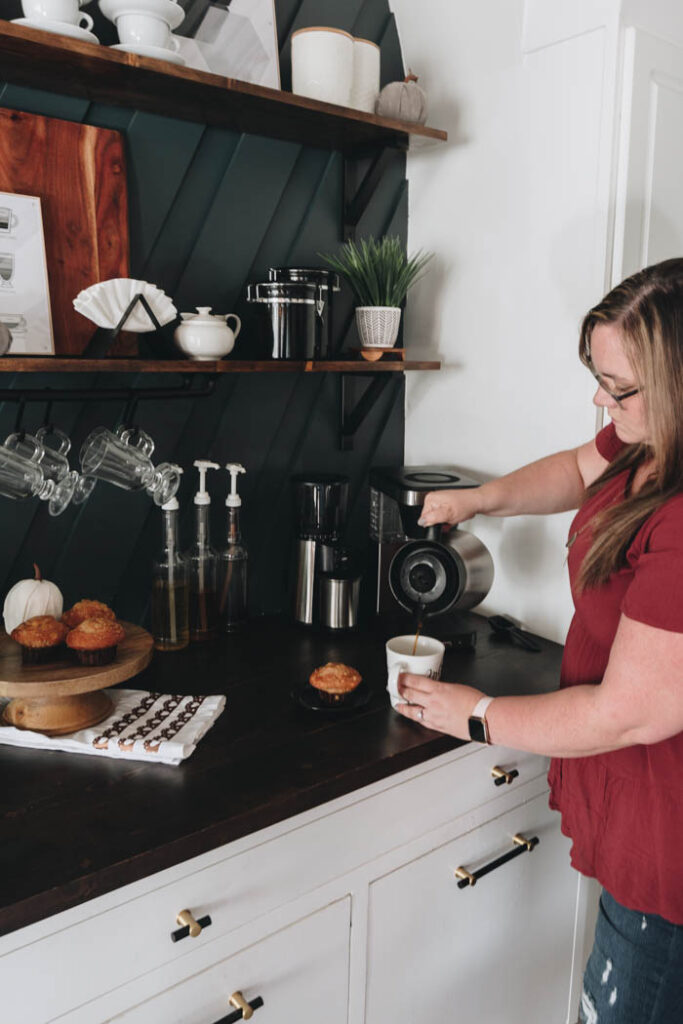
(421,714)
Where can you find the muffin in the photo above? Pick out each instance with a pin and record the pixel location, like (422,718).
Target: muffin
(94,641)
(83,610)
(334,682)
(41,639)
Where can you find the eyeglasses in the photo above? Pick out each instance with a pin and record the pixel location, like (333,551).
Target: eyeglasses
(618,397)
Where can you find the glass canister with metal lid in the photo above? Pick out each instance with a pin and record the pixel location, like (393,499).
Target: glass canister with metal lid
(327,283)
(289,323)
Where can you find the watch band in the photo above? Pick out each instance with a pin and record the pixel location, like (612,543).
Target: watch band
(479,710)
(477,724)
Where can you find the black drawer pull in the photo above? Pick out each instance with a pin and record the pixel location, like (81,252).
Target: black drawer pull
(245,1010)
(182,933)
(500,776)
(522,845)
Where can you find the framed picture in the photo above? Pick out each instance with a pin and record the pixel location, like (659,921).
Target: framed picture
(24,292)
(233,38)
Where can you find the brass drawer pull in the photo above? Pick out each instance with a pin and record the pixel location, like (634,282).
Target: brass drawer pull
(467,877)
(244,1009)
(520,845)
(501,777)
(188,925)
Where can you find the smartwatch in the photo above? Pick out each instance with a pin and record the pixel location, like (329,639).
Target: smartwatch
(479,728)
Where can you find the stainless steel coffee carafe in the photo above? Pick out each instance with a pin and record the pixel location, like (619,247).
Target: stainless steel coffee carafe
(426,570)
(445,571)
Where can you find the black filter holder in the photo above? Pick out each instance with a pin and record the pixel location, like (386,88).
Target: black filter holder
(104,337)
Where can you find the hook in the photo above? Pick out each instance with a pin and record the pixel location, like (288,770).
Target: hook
(129,411)
(47,423)
(18,429)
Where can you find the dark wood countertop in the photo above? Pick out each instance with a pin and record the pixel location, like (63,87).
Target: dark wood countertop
(75,827)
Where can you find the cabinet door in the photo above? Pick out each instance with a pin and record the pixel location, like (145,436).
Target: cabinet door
(301,973)
(500,950)
(649,212)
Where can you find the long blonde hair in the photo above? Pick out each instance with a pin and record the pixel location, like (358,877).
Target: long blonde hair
(647,308)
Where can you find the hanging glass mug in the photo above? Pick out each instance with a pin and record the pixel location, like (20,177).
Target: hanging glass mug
(56,471)
(56,465)
(114,458)
(23,478)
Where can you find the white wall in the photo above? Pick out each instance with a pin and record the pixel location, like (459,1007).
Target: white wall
(516,207)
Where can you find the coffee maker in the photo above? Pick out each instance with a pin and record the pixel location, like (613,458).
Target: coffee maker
(425,570)
(320,507)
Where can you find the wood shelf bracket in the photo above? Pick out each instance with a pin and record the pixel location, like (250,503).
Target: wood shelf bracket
(350,419)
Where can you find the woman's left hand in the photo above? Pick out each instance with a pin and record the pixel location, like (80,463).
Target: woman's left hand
(444,707)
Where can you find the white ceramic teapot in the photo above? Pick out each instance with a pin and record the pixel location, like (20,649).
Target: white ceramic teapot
(203,335)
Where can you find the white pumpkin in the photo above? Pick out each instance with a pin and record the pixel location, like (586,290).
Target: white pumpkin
(31,597)
(403,101)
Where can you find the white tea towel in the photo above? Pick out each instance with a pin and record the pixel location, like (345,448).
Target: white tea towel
(143,726)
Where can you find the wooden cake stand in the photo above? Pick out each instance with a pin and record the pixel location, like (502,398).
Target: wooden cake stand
(62,696)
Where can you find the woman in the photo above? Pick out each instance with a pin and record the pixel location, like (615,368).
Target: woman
(614,729)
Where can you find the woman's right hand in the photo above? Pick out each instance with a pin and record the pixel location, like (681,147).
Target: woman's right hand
(449,507)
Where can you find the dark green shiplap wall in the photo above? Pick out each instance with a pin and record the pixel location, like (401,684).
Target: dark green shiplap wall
(211,210)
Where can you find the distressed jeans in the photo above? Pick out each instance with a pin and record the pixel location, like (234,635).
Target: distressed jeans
(634,974)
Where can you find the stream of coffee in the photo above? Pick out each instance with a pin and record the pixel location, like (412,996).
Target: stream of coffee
(418,626)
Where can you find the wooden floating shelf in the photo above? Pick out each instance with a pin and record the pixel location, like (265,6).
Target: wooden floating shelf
(43,60)
(57,364)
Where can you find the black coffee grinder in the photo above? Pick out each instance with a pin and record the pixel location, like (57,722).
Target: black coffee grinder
(426,570)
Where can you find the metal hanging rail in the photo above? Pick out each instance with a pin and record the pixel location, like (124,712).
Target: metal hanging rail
(106,394)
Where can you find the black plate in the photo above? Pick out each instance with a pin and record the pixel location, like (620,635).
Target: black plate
(307,696)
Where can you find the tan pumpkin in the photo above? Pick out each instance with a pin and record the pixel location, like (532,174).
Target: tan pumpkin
(31,597)
(403,101)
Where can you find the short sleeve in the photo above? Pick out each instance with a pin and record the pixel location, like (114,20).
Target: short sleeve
(655,595)
(608,444)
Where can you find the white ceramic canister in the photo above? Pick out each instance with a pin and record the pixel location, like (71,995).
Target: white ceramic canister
(322,64)
(365,87)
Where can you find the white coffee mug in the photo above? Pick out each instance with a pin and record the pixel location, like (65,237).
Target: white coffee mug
(57,10)
(322,64)
(426,661)
(365,87)
(137,28)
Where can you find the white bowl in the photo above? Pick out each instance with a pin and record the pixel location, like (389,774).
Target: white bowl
(169,11)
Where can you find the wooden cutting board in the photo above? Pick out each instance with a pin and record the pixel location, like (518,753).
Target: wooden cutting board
(79,173)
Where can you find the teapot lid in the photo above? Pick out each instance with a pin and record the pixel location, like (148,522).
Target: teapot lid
(203,316)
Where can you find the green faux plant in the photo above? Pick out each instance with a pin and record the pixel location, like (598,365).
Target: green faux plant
(379,272)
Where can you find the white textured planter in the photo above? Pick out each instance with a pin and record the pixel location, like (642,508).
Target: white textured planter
(378,325)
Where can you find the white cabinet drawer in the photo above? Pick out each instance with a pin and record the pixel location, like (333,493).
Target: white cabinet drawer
(113,947)
(301,973)
(500,950)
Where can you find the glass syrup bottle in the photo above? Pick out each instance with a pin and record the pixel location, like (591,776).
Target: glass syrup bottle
(232,562)
(170,587)
(203,563)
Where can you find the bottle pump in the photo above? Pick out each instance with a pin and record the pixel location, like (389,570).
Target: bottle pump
(170,624)
(232,589)
(203,563)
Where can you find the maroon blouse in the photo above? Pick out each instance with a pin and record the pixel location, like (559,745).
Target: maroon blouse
(624,810)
